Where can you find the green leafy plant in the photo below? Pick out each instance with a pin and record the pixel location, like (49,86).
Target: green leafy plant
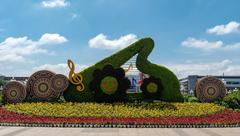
(134,97)
(1,99)
(2,82)
(231,100)
(190,98)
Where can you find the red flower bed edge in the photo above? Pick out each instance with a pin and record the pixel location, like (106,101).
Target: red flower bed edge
(220,118)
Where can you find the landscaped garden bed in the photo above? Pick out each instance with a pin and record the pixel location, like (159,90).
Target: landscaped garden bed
(125,115)
(158,109)
(98,97)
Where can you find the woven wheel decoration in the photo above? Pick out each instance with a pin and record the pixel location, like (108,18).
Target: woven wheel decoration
(39,86)
(209,89)
(59,83)
(14,92)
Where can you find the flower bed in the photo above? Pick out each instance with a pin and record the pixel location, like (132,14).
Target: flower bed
(221,117)
(115,110)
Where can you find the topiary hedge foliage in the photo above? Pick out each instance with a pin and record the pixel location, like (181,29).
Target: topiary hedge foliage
(143,48)
(231,100)
(190,98)
(109,85)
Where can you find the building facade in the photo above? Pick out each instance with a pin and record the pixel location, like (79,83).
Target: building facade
(188,84)
(7,79)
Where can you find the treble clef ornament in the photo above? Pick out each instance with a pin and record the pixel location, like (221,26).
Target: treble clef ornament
(75,78)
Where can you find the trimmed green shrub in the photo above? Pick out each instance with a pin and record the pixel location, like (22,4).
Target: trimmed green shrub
(190,98)
(1,100)
(143,48)
(193,99)
(134,97)
(2,82)
(231,100)
(235,94)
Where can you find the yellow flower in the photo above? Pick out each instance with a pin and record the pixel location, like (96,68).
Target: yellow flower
(70,109)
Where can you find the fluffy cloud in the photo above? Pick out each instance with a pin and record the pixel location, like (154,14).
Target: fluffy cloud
(216,68)
(14,49)
(202,44)
(231,27)
(232,47)
(208,46)
(55,3)
(61,68)
(52,39)
(102,42)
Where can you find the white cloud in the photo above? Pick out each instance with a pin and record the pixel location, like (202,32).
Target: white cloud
(216,68)
(201,44)
(55,3)
(102,42)
(232,47)
(231,27)
(52,39)
(15,49)
(61,68)
(209,46)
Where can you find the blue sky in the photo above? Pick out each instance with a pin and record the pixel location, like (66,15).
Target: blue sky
(191,36)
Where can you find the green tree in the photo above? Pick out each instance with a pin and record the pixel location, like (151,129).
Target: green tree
(2,82)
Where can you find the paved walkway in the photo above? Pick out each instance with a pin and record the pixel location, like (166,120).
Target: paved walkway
(37,131)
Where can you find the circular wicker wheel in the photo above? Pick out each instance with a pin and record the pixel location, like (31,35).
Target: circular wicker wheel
(209,89)
(39,85)
(59,83)
(14,92)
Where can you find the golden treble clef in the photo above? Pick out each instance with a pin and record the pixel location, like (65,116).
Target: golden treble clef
(129,68)
(75,78)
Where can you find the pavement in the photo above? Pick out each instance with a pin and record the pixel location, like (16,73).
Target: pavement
(38,131)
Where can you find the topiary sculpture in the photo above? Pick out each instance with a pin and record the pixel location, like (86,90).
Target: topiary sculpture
(81,91)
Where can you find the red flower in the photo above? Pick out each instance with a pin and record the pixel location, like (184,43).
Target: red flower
(223,117)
